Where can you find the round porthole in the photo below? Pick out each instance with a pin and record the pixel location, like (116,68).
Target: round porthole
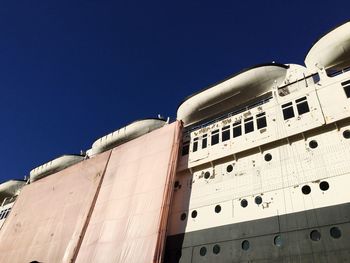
(206,175)
(306,189)
(183,216)
(258,200)
(203,251)
(313,144)
(244,203)
(217,209)
(324,186)
(194,214)
(315,235)
(346,134)
(268,157)
(176,184)
(277,241)
(216,249)
(335,232)
(245,245)
(229,168)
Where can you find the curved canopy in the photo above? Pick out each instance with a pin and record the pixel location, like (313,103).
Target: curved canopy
(331,50)
(232,92)
(127,133)
(54,166)
(10,188)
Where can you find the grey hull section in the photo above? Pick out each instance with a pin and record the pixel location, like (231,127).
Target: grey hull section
(285,238)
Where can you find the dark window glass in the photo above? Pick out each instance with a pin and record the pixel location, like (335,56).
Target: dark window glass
(306,189)
(313,144)
(215,137)
(316,78)
(206,175)
(347,91)
(324,186)
(245,245)
(244,203)
(225,133)
(346,134)
(302,106)
(237,130)
(194,214)
(195,145)
(217,209)
(216,249)
(185,149)
(1,214)
(229,168)
(248,125)
(335,232)
(176,184)
(203,251)
(268,157)
(183,216)
(278,241)
(261,121)
(315,235)
(204,142)
(288,111)
(258,200)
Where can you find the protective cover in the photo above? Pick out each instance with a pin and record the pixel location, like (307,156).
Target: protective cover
(129,221)
(49,215)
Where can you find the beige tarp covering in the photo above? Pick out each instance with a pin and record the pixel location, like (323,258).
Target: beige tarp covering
(49,215)
(110,208)
(129,220)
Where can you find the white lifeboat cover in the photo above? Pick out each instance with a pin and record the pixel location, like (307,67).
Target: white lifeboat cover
(10,188)
(232,92)
(333,49)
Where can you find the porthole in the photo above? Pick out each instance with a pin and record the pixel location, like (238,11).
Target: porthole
(268,157)
(216,249)
(194,214)
(229,168)
(346,134)
(203,251)
(313,144)
(183,216)
(335,232)
(176,185)
(245,245)
(244,203)
(258,200)
(206,175)
(315,235)
(277,241)
(217,209)
(324,186)
(306,189)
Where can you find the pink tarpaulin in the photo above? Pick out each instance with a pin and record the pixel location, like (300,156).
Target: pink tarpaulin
(129,219)
(50,215)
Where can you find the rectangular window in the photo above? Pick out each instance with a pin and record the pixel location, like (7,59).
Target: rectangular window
(1,214)
(185,149)
(204,141)
(261,120)
(7,212)
(237,129)
(225,133)
(215,137)
(195,144)
(346,86)
(248,125)
(302,106)
(288,111)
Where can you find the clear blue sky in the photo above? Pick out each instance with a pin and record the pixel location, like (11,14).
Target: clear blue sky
(73,71)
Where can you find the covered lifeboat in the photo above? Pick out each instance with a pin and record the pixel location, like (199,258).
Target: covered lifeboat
(125,134)
(331,51)
(232,92)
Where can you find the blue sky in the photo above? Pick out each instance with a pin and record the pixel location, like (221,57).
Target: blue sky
(73,71)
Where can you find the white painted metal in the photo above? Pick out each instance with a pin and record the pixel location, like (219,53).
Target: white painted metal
(54,166)
(230,93)
(10,188)
(332,50)
(127,133)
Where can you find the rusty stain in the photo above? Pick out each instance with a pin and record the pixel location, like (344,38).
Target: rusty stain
(266,205)
(247,114)
(263,130)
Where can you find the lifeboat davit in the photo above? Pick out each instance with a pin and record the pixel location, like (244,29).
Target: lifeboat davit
(232,92)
